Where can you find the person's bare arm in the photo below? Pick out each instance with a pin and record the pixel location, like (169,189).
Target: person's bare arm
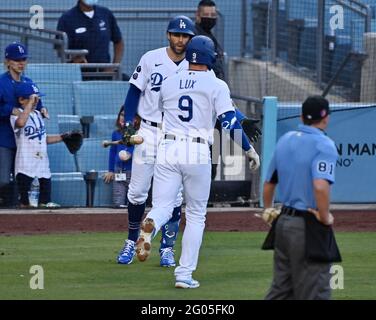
(321,190)
(24,115)
(51,139)
(118,51)
(268,194)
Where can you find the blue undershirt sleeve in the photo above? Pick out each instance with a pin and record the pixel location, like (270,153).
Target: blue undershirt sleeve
(112,155)
(131,103)
(239,115)
(232,125)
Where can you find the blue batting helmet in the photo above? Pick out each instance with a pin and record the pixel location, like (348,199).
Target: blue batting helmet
(181,24)
(201,50)
(15,51)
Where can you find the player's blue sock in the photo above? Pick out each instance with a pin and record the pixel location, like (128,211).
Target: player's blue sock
(170,229)
(135,213)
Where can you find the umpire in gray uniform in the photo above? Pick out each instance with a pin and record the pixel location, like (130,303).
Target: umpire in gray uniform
(304,246)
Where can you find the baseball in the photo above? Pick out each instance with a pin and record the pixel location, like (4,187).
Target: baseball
(124,155)
(135,139)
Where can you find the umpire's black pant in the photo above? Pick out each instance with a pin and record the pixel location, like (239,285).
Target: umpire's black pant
(294,277)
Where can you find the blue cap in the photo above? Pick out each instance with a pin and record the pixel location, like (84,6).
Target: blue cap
(16,51)
(26,89)
(181,24)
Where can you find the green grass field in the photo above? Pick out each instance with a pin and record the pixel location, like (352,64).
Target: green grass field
(231,267)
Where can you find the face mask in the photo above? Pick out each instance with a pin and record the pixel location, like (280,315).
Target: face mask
(90,3)
(208,23)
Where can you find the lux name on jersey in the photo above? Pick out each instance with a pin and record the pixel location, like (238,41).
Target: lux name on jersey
(187,84)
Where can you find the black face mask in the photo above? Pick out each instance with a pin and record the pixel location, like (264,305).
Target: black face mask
(208,23)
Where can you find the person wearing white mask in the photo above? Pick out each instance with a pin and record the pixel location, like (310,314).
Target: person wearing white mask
(92,27)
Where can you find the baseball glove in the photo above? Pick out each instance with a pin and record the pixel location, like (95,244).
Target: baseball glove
(250,128)
(127,132)
(73,140)
(269,215)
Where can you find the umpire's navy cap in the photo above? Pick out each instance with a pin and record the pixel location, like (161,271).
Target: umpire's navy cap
(315,108)
(26,89)
(16,51)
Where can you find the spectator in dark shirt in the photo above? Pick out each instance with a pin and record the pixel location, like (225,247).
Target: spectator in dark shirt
(92,27)
(206,19)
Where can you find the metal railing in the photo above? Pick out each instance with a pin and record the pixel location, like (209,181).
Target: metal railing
(24,32)
(57,38)
(353,5)
(360,8)
(254,109)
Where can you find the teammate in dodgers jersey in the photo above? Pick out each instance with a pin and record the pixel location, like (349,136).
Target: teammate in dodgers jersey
(154,67)
(190,102)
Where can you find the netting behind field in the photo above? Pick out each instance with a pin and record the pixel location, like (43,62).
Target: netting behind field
(307,47)
(271,48)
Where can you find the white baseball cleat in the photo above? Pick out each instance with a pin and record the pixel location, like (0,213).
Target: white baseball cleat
(143,244)
(187,284)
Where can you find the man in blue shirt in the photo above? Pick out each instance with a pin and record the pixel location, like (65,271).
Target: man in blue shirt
(303,166)
(92,27)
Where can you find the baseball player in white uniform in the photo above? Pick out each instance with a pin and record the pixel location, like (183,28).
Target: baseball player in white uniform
(190,101)
(154,67)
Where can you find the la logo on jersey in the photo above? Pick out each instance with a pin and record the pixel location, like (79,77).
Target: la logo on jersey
(182,24)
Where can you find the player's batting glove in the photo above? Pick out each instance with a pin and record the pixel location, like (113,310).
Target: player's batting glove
(127,132)
(254,159)
(269,215)
(250,128)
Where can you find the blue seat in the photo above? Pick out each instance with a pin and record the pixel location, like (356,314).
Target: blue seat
(99,97)
(61,161)
(60,123)
(92,156)
(103,126)
(52,124)
(58,97)
(307,51)
(54,72)
(103,193)
(68,189)
(69,122)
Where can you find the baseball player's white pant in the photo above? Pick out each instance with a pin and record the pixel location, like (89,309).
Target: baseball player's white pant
(188,163)
(144,157)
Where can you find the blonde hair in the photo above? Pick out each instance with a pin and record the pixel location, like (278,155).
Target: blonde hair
(6,64)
